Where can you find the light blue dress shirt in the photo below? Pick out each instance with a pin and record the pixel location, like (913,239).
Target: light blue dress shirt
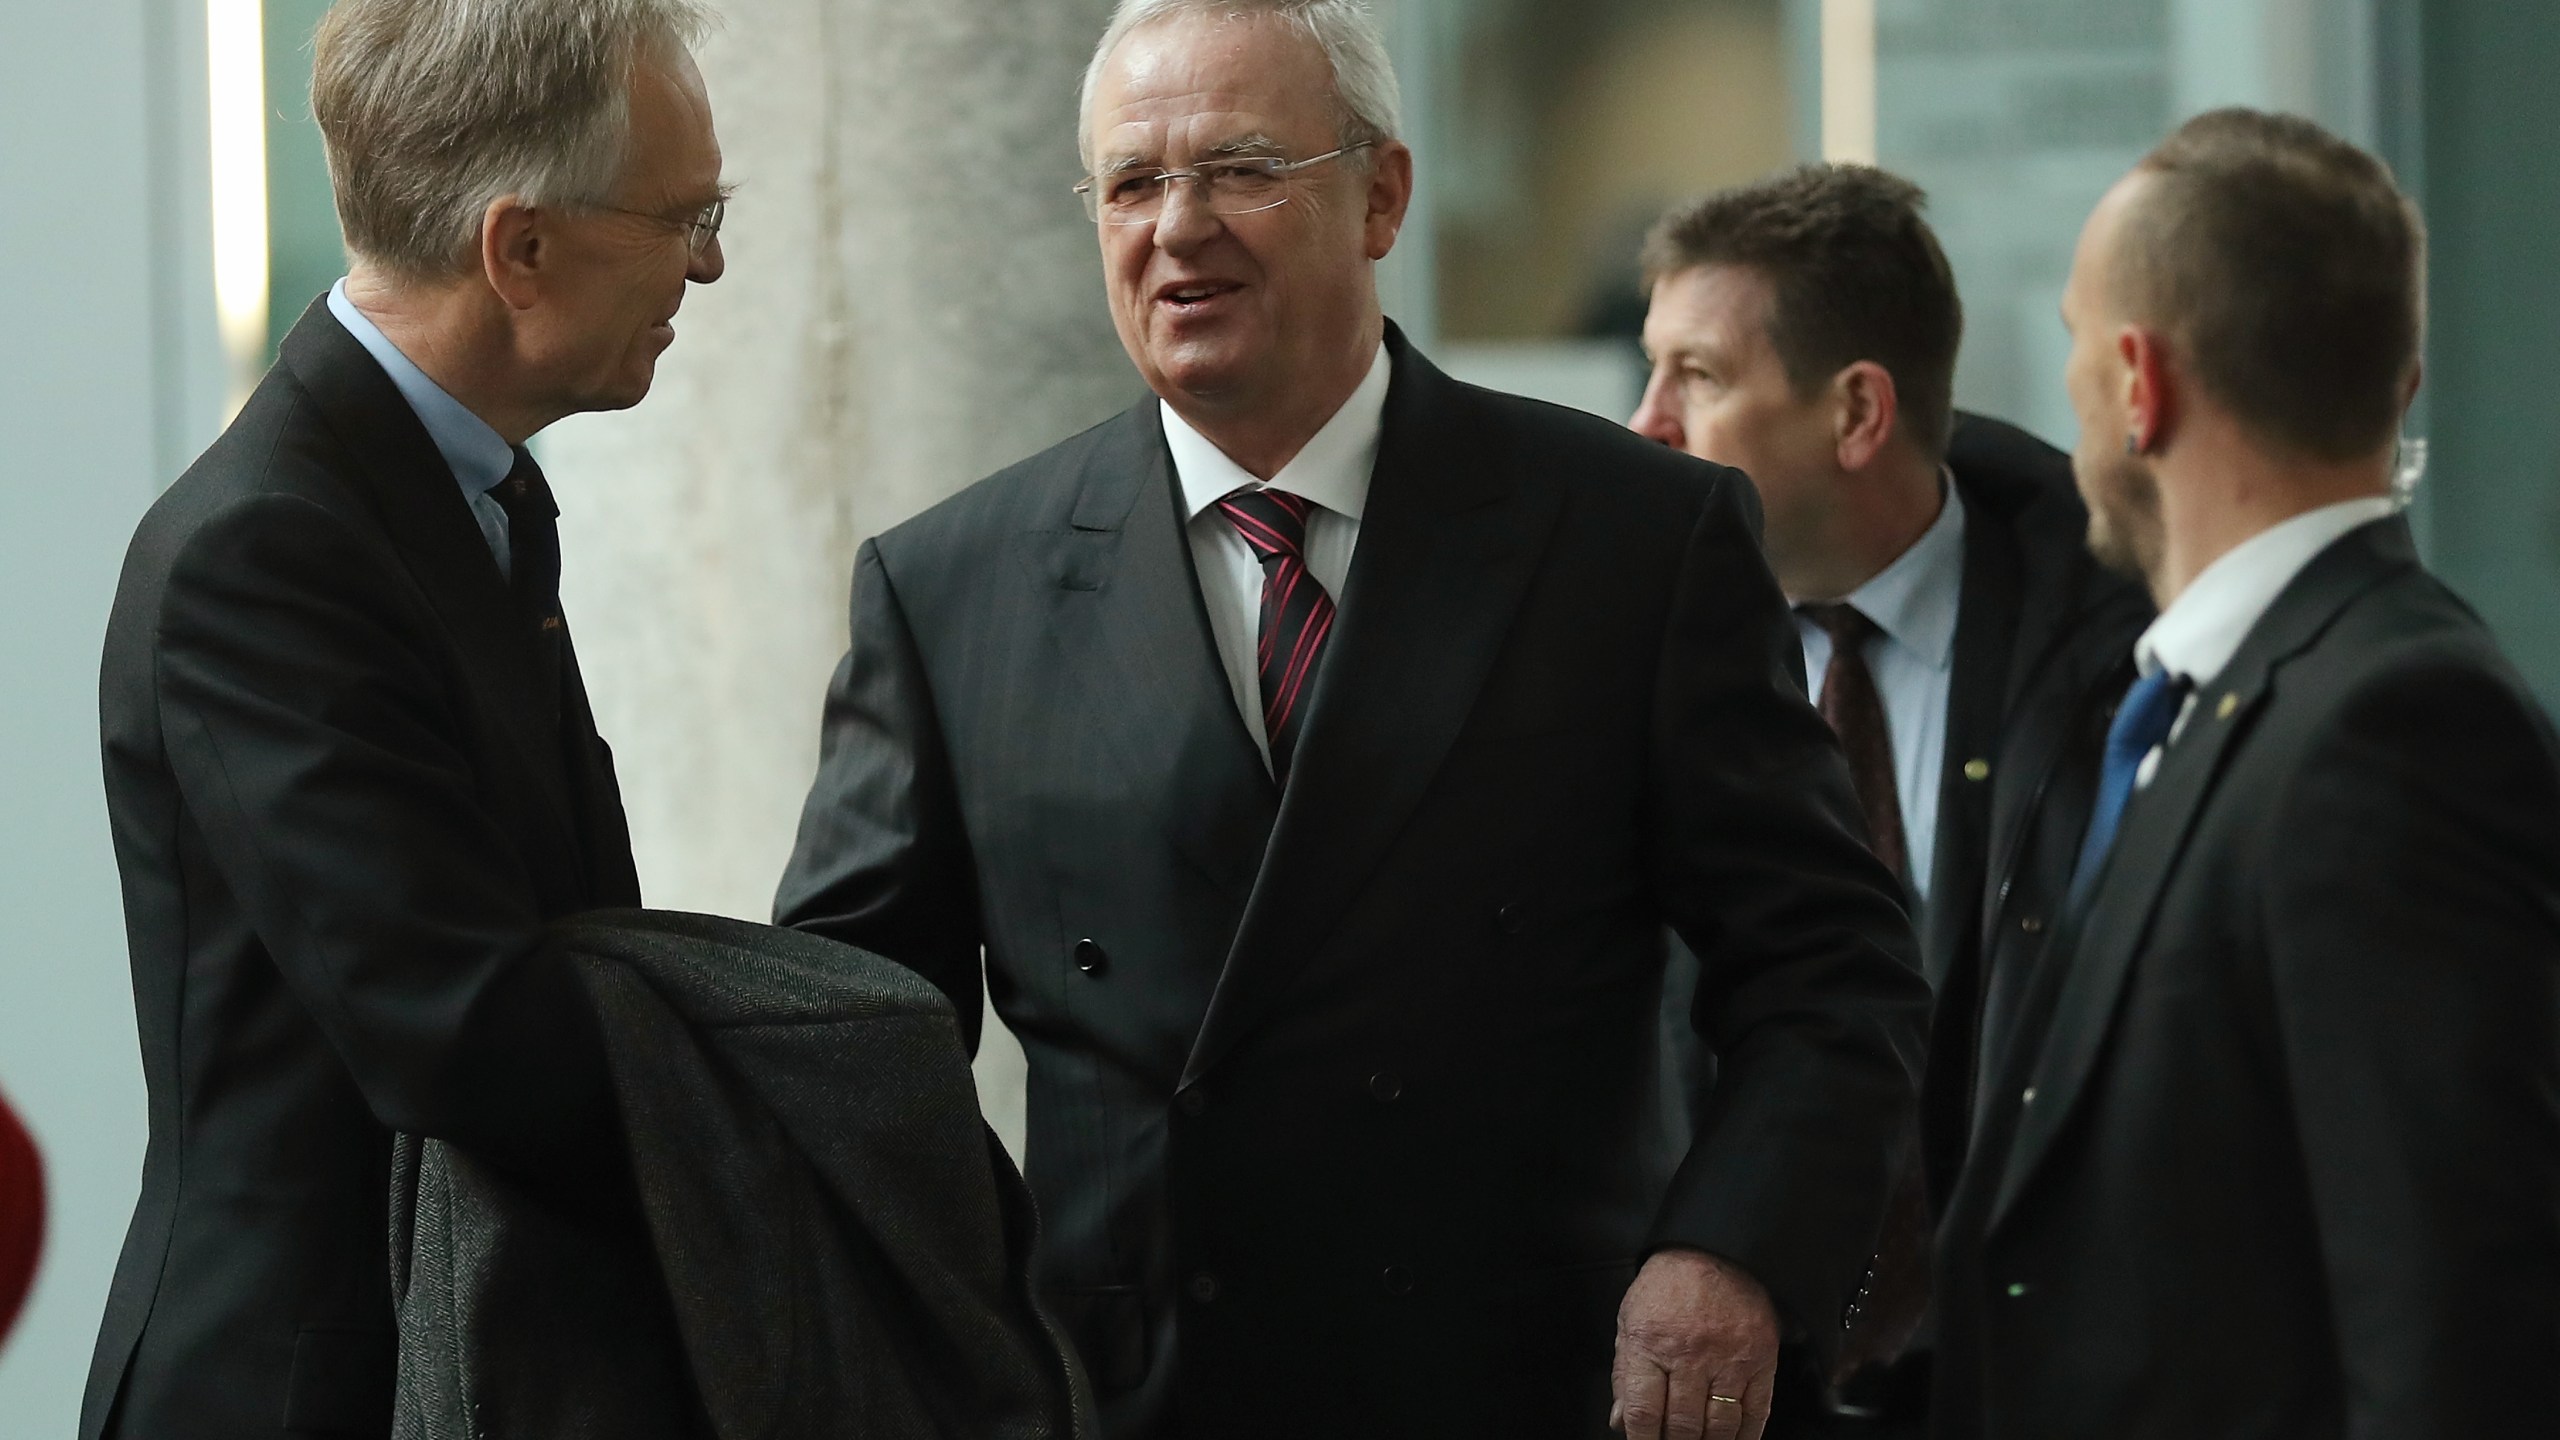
(479,456)
(1914,602)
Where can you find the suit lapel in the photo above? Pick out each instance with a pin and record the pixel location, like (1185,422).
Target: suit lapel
(1986,623)
(404,477)
(1125,602)
(2098,952)
(1447,545)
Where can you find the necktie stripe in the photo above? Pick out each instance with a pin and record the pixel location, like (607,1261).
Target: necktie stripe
(1297,614)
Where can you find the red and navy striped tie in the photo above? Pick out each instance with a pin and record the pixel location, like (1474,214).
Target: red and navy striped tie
(1296,613)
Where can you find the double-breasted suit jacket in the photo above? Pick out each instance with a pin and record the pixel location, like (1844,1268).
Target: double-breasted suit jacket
(348,779)
(1345,1109)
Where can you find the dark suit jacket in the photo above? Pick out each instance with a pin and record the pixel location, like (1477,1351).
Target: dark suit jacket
(342,805)
(2044,647)
(1344,1112)
(2291,1166)
(830,1241)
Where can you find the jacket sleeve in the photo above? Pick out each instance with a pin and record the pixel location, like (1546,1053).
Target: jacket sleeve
(2414,949)
(1809,991)
(883,860)
(316,745)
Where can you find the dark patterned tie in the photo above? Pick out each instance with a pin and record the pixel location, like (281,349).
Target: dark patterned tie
(1855,708)
(533,565)
(1297,615)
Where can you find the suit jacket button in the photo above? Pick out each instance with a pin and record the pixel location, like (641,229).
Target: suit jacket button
(1396,1279)
(1193,1102)
(2031,925)
(1512,918)
(1089,957)
(2018,1291)
(1386,1085)
(1203,1287)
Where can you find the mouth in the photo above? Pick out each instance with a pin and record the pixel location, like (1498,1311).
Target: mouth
(1195,297)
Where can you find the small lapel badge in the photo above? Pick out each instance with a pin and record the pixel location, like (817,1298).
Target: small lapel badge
(550,622)
(1977,770)
(2230,703)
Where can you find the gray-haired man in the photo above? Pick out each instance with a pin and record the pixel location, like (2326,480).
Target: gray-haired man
(349,761)
(1336,949)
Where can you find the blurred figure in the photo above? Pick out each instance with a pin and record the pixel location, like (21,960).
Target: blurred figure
(21,1216)
(1336,950)
(1960,637)
(2277,1152)
(349,761)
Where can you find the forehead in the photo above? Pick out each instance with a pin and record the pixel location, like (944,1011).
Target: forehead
(1193,80)
(672,140)
(1717,310)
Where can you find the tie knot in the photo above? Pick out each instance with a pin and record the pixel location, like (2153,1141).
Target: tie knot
(1272,522)
(524,492)
(1846,624)
(2149,712)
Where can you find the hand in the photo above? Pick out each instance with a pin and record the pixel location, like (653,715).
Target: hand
(1693,1327)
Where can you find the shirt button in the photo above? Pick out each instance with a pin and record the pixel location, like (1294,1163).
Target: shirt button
(1089,957)
(1386,1085)
(1193,1102)
(1396,1280)
(1203,1287)
(1511,918)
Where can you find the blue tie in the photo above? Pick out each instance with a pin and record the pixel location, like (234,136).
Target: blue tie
(2142,723)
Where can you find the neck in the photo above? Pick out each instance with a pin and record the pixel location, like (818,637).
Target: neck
(456,332)
(1880,512)
(2218,494)
(1263,438)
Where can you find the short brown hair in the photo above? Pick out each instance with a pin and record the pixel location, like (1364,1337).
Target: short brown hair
(2287,270)
(1858,276)
(431,109)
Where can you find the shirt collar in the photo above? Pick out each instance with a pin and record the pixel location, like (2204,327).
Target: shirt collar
(478,455)
(1915,598)
(1332,469)
(2203,628)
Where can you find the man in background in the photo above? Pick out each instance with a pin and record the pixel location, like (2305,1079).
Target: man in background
(1336,948)
(2277,1151)
(349,762)
(1960,638)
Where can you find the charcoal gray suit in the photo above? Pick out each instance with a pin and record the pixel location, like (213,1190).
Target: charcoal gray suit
(1344,1101)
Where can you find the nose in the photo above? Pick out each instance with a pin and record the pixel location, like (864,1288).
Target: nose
(1185,223)
(1656,417)
(708,266)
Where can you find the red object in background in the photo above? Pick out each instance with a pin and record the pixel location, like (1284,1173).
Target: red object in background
(21,1215)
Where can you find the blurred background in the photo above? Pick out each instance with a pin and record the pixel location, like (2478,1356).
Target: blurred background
(913,300)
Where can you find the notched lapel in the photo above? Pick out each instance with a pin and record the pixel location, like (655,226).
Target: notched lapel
(430,525)
(2156,827)
(1448,543)
(1129,621)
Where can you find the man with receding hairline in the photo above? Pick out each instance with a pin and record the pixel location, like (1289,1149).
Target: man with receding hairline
(349,760)
(1315,753)
(2276,1152)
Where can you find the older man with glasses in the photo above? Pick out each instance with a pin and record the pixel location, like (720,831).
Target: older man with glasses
(349,760)
(1315,754)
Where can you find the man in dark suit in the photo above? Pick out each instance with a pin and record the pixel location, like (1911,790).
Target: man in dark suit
(1804,329)
(349,761)
(1336,950)
(2276,1149)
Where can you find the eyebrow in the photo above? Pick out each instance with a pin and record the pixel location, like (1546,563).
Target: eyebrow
(1253,144)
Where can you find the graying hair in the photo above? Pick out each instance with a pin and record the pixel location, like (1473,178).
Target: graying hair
(1365,92)
(431,109)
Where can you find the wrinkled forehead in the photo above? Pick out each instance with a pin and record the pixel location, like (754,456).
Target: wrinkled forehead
(1194,85)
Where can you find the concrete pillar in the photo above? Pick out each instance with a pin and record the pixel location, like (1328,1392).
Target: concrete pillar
(913,300)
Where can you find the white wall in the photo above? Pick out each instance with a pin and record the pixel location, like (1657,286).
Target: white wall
(107,383)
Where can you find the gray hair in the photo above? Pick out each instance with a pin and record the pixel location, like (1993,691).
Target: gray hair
(431,109)
(1364,79)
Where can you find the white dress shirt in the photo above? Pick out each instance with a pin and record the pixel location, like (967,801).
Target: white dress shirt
(2204,627)
(1914,602)
(479,456)
(1332,472)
